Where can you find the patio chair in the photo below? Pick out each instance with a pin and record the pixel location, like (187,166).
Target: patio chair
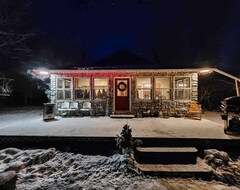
(194,111)
(62,108)
(74,108)
(86,108)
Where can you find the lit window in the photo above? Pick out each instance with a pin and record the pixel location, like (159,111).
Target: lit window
(64,88)
(100,90)
(82,88)
(162,88)
(182,88)
(144,88)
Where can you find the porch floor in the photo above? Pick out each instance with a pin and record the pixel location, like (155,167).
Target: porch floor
(29,122)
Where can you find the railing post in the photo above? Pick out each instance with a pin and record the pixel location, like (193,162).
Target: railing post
(237,88)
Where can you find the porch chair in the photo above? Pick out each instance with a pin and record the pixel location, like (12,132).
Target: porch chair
(86,108)
(194,111)
(74,111)
(62,108)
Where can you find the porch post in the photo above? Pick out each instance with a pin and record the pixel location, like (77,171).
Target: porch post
(237,87)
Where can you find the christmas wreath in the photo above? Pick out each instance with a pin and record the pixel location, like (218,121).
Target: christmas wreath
(122,86)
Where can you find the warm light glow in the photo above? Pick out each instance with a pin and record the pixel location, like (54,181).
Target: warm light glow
(205,71)
(44,72)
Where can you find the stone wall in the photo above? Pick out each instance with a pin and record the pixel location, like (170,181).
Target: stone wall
(105,107)
(53,88)
(194,87)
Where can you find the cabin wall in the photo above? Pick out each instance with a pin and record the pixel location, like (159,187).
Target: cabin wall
(53,88)
(105,106)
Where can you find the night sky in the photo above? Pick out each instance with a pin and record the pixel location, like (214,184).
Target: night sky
(171,32)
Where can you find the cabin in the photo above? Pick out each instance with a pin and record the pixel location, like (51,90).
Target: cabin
(124,83)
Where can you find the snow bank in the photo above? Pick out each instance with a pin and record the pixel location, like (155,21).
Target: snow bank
(51,169)
(41,169)
(224,168)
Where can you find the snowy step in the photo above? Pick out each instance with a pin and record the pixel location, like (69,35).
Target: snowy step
(198,170)
(122,116)
(166,155)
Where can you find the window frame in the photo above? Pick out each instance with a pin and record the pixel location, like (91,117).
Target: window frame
(184,88)
(93,88)
(75,88)
(64,88)
(170,87)
(151,88)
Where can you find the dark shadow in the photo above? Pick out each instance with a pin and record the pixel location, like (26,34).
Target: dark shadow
(51,120)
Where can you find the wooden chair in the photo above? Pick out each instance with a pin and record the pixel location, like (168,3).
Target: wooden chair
(194,111)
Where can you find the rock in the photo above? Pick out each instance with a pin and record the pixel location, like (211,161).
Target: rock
(218,155)
(8,180)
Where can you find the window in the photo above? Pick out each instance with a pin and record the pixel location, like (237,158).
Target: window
(182,88)
(64,88)
(82,88)
(163,88)
(144,88)
(100,90)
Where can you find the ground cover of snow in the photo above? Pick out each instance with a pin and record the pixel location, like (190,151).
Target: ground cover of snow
(40,169)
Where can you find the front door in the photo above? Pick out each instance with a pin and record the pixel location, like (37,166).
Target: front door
(122,95)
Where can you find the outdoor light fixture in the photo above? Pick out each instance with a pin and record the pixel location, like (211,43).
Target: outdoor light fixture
(41,72)
(210,70)
(205,71)
(44,72)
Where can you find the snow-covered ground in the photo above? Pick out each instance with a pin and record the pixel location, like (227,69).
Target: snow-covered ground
(28,121)
(40,169)
(51,169)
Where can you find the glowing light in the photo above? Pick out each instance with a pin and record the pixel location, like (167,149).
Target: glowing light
(44,72)
(205,71)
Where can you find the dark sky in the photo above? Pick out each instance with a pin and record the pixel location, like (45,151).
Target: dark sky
(170,32)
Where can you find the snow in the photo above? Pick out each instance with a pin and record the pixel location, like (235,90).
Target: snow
(52,169)
(29,122)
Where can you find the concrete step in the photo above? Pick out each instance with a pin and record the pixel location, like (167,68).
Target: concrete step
(166,155)
(128,116)
(198,170)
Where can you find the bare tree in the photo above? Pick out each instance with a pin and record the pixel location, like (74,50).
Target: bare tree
(206,96)
(15,30)
(5,86)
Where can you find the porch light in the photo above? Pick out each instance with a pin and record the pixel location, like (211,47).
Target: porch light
(44,72)
(205,71)
(41,72)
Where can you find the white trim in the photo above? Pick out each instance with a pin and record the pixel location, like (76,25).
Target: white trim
(74,94)
(71,88)
(170,87)
(93,87)
(129,89)
(151,88)
(190,88)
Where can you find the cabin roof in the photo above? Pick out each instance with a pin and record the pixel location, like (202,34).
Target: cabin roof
(124,59)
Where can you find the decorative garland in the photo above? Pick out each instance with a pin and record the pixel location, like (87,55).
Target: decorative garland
(122,86)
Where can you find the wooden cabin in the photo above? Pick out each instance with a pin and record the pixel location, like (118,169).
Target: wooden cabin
(133,88)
